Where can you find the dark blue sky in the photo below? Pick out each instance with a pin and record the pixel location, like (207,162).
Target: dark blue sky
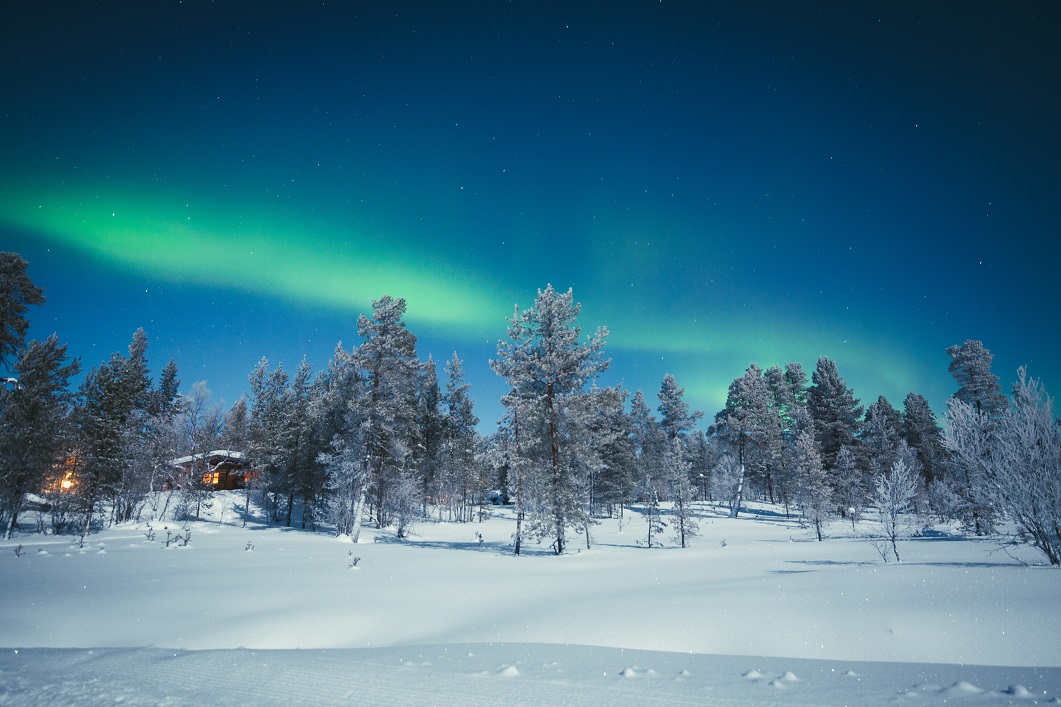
(720,183)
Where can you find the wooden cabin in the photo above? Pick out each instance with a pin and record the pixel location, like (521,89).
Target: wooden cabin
(219,470)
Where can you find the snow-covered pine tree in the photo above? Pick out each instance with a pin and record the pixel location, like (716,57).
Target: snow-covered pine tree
(651,447)
(980,390)
(677,421)
(683,518)
(923,434)
(849,485)
(747,421)
(777,450)
(269,439)
(460,438)
(612,433)
(341,455)
(17,294)
(881,432)
(113,400)
(305,475)
(34,424)
(388,363)
(676,417)
(428,437)
(550,366)
(814,495)
(979,387)
(835,411)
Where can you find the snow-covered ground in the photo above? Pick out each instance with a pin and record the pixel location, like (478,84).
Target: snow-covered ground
(755,612)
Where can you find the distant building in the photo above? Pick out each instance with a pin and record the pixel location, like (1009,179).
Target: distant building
(220,470)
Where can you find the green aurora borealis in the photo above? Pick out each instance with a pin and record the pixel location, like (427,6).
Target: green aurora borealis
(718,185)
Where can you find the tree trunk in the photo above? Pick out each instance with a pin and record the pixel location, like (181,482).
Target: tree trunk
(359,507)
(554,449)
(735,509)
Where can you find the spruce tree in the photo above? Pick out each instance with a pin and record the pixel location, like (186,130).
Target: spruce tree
(834,410)
(17,294)
(923,434)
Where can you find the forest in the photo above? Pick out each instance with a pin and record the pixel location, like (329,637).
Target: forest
(377,438)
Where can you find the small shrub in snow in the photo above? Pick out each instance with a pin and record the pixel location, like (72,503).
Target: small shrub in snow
(249,547)
(353,560)
(18,551)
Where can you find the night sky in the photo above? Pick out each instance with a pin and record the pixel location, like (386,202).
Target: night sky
(719,183)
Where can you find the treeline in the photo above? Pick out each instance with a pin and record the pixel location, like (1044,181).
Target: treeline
(376,437)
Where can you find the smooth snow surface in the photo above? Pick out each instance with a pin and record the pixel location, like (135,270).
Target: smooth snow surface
(276,616)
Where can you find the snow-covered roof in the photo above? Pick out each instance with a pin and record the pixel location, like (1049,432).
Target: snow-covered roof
(219,454)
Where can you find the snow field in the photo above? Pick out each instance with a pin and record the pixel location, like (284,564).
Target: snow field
(769,617)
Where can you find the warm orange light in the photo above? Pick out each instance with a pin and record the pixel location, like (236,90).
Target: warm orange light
(67,483)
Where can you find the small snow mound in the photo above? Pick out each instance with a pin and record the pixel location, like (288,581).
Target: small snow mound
(471,655)
(753,675)
(961,688)
(789,676)
(651,673)
(629,672)
(685,673)
(777,684)
(509,672)
(1019,691)
(852,674)
(42,551)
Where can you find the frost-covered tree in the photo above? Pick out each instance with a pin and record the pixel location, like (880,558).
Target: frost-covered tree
(923,434)
(683,517)
(881,432)
(849,485)
(978,386)
(676,417)
(650,446)
(1014,461)
(462,472)
(834,410)
(896,489)
(611,433)
(112,416)
(678,420)
(702,459)
(200,425)
(34,424)
(515,439)
(343,456)
(268,432)
(389,367)
(550,366)
(814,495)
(745,424)
(429,433)
(303,473)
